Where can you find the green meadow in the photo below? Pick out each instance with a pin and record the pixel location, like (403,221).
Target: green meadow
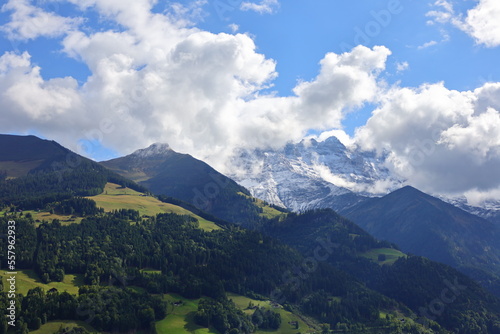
(391,255)
(28,279)
(115,197)
(54,326)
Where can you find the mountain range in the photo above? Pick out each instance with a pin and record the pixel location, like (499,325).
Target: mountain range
(315,263)
(298,178)
(312,174)
(326,174)
(427,226)
(166,172)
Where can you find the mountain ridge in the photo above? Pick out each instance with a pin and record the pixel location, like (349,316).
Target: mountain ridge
(314,174)
(424,225)
(166,172)
(195,262)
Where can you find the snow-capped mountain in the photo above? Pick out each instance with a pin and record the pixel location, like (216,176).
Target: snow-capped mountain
(313,174)
(489,210)
(156,149)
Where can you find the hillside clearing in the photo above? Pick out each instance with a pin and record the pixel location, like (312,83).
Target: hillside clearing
(391,255)
(53,326)
(267,211)
(115,197)
(180,318)
(287,318)
(28,279)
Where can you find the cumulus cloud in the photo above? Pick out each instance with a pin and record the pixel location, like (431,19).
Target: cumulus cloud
(482,23)
(30,22)
(263,7)
(440,140)
(28,101)
(158,79)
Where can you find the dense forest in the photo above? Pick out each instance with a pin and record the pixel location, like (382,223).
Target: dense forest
(193,263)
(412,280)
(110,249)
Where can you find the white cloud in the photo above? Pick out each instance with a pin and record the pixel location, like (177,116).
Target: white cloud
(479,137)
(190,13)
(28,101)
(441,140)
(345,81)
(234,27)
(444,12)
(30,22)
(341,135)
(480,197)
(263,7)
(403,66)
(482,23)
(427,44)
(159,80)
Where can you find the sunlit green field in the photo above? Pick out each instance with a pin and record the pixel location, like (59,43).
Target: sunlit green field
(180,318)
(53,326)
(115,197)
(286,316)
(28,279)
(267,211)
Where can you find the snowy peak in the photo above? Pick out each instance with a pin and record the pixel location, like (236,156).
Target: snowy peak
(326,174)
(153,151)
(312,174)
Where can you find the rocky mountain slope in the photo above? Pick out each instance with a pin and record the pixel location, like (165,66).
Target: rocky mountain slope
(326,174)
(166,172)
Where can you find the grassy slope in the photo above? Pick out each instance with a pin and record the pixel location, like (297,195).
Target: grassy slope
(53,326)
(391,255)
(40,216)
(114,197)
(180,318)
(47,216)
(286,316)
(268,211)
(28,279)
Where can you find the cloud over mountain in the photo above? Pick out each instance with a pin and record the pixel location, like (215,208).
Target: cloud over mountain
(441,140)
(155,77)
(159,79)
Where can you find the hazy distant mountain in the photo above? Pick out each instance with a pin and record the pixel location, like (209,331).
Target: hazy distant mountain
(427,226)
(166,172)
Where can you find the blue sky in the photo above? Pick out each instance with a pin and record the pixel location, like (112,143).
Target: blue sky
(297,35)
(106,77)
